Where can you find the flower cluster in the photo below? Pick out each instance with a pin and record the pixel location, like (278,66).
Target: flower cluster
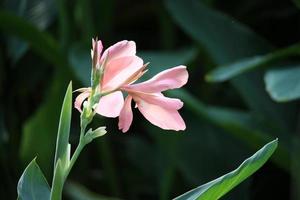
(115,72)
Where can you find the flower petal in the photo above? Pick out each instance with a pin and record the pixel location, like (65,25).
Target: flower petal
(110,105)
(121,49)
(172,78)
(125,118)
(118,71)
(80,98)
(160,100)
(168,119)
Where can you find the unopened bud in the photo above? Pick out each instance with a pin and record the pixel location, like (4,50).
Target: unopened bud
(92,134)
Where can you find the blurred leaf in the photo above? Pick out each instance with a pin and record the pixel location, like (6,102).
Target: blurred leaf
(224,73)
(65,22)
(297,3)
(84,16)
(223,37)
(39,13)
(227,40)
(219,187)
(62,151)
(283,84)
(79,192)
(33,184)
(162,60)
(58,181)
(227,72)
(41,42)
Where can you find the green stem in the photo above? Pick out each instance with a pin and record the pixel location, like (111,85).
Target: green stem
(81,145)
(75,156)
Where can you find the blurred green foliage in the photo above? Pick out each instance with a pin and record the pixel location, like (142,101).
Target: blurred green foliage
(252,44)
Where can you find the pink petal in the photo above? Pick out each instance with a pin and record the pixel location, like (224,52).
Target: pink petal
(172,78)
(125,118)
(118,71)
(160,100)
(168,119)
(121,49)
(110,105)
(80,98)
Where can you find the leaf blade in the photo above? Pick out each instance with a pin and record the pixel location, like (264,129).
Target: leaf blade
(215,190)
(33,184)
(283,84)
(62,141)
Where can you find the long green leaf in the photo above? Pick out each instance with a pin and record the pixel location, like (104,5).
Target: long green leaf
(62,142)
(283,84)
(232,70)
(32,184)
(219,187)
(58,181)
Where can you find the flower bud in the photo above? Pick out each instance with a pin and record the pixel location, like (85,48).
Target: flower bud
(92,134)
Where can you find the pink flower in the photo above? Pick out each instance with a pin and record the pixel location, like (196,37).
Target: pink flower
(121,69)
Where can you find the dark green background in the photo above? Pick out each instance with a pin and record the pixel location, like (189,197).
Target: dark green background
(46,43)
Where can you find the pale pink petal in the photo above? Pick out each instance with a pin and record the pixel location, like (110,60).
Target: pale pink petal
(160,100)
(110,105)
(80,98)
(118,71)
(172,78)
(121,49)
(125,118)
(168,119)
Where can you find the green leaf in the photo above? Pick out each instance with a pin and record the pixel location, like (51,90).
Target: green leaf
(32,184)
(219,187)
(232,70)
(16,26)
(62,151)
(58,181)
(226,72)
(283,84)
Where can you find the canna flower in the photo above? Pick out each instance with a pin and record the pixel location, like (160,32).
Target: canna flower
(119,65)
(121,68)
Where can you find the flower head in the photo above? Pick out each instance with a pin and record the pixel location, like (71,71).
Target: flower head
(119,68)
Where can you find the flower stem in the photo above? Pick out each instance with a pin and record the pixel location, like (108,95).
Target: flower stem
(81,145)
